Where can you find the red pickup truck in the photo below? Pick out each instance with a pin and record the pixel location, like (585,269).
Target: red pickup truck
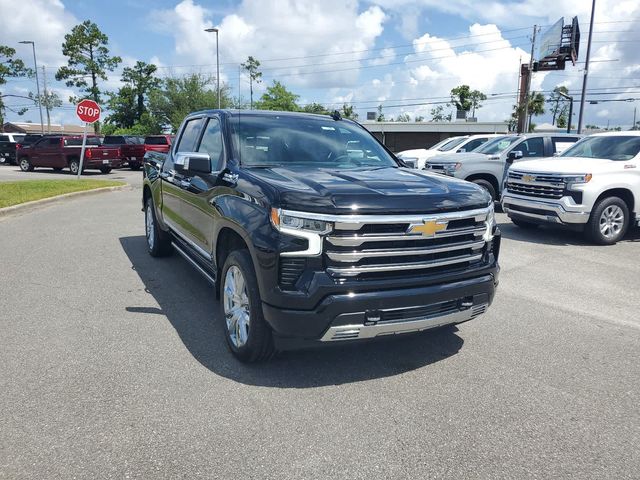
(133,148)
(63,151)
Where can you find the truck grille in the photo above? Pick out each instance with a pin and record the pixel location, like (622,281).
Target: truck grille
(373,247)
(536,185)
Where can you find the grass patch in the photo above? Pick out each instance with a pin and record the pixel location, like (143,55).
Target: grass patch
(14,193)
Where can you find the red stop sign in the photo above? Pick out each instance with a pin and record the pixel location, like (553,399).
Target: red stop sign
(88,111)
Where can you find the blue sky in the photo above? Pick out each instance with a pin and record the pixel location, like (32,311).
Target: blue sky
(403,54)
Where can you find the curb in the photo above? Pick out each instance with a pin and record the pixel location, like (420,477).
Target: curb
(35,204)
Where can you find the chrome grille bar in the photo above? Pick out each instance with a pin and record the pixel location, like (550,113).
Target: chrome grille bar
(356,240)
(357,270)
(359,255)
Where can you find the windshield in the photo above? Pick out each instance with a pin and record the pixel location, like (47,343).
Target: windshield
(610,147)
(442,142)
(500,144)
(268,141)
(451,144)
(113,140)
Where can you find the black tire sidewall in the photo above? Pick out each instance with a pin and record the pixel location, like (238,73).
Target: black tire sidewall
(593,227)
(259,343)
(487,186)
(29,168)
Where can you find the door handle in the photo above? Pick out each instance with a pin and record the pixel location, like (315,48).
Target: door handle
(185,184)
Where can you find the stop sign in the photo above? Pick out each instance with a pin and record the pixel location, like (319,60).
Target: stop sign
(88,111)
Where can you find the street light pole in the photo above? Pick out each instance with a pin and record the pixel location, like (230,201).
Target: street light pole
(217,63)
(586,68)
(35,61)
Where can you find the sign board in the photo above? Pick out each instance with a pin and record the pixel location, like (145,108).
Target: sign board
(551,40)
(88,111)
(371,115)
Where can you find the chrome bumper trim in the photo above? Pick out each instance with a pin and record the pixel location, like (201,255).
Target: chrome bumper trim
(355,270)
(358,332)
(557,211)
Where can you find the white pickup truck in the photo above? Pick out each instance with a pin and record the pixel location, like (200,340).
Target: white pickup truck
(487,165)
(466,143)
(594,186)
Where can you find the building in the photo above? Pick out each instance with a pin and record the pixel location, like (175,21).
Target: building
(29,127)
(399,136)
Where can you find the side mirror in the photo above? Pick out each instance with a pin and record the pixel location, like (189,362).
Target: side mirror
(462,150)
(513,156)
(193,162)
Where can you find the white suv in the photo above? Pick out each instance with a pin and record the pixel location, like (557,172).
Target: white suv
(594,186)
(467,143)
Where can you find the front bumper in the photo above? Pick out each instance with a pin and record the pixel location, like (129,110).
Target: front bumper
(562,211)
(352,316)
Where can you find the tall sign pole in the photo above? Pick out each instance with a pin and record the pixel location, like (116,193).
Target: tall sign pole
(89,112)
(528,88)
(586,68)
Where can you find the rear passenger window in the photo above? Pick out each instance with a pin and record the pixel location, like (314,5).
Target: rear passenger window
(473,144)
(532,147)
(212,142)
(189,136)
(560,144)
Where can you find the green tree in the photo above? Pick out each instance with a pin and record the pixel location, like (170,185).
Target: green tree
(557,102)
(403,117)
(9,67)
(536,107)
(88,59)
(123,107)
(380,114)
(315,108)
(561,121)
(438,115)
(177,97)
(348,111)
(466,99)
(277,97)
(418,118)
(142,80)
(49,101)
(251,66)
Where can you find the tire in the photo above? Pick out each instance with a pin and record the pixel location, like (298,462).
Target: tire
(105,170)
(134,166)
(524,224)
(609,221)
(74,166)
(158,241)
(487,186)
(248,336)
(25,165)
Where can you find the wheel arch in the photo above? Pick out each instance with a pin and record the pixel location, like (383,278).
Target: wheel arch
(489,177)
(621,192)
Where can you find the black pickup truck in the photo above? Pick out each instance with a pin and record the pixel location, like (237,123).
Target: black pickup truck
(312,231)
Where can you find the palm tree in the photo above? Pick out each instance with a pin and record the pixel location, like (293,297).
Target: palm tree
(536,106)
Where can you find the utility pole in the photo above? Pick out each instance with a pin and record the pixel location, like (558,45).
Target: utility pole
(525,108)
(46,99)
(586,68)
(633,127)
(35,62)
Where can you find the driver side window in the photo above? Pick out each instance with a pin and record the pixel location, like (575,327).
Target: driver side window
(212,143)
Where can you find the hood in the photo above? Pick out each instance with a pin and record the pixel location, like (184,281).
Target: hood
(458,157)
(422,153)
(568,165)
(369,190)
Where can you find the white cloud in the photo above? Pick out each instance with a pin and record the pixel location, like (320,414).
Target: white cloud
(387,55)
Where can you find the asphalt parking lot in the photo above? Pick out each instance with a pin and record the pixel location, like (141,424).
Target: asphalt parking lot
(114,366)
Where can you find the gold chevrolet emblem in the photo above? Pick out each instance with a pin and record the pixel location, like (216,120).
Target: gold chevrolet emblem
(428,228)
(528,178)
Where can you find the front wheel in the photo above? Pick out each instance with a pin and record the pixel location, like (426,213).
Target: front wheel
(158,241)
(608,222)
(247,333)
(74,166)
(134,166)
(25,165)
(487,186)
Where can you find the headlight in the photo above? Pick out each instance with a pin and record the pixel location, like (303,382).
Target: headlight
(577,179)
(491,222)
(284,221)
(452,167)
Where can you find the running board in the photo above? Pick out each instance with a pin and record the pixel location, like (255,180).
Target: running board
(193,263)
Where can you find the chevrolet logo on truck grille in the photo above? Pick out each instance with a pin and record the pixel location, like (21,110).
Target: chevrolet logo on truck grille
(429,228)
(528,178)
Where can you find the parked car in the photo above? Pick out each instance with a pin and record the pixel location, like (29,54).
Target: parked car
(594,186)
(132,148)
(9,142)
(158,143)
(467,143)
(59,152)
(311,231)
(487,166)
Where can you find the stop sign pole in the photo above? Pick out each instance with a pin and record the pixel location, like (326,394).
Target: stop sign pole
(89,112)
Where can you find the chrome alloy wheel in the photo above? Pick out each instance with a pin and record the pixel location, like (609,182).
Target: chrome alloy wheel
(611,221)
(74,167)
(236,306)
(149,225)
(24,164)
